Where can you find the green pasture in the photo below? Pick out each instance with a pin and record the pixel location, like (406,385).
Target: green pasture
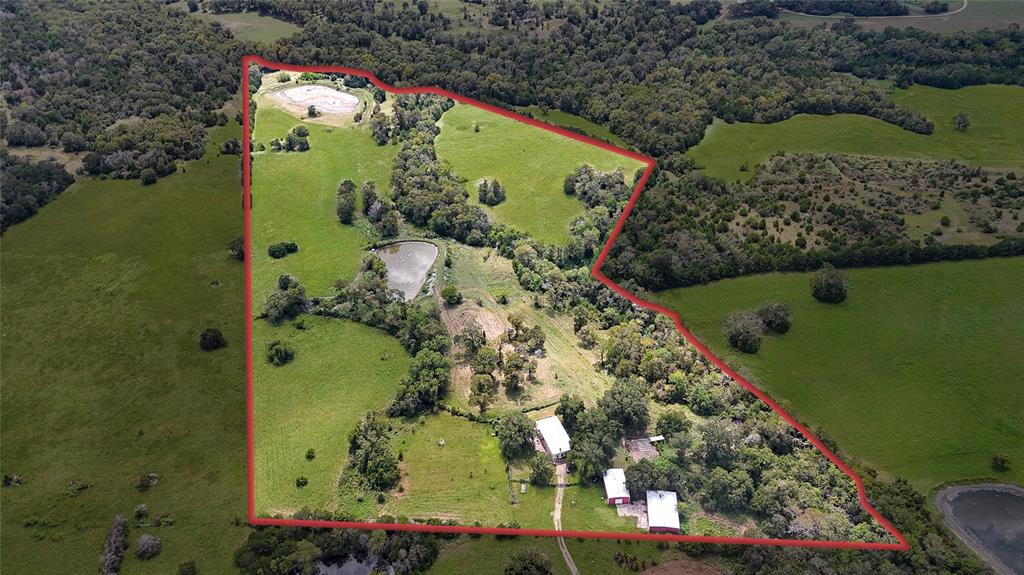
(252,27)
(531,163)
(993,140)
(104,294)
(979,14)
(463,480)
(341,370)
(294,200)
(584,508)
(917,372)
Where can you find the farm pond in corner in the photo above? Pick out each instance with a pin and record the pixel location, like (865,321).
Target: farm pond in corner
(990,518)
(408,264)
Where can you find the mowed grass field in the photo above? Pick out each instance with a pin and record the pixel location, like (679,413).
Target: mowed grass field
(294,200)
(592,556)
(917,372)
(993,140)
(531,163)
(251,26)
(341,370)
(104,294)
(464,479)
(584,508)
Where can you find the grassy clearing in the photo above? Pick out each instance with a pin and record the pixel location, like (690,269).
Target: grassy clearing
(566,367)
(104,294)
(571,121)
(994,14)
(992,140)
(463,480)
(294,199)
(929,355)
(313,402)
(584,508)
(252,27)
(530,162)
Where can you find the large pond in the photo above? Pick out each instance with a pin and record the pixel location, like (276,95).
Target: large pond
(990,518)
(408,264)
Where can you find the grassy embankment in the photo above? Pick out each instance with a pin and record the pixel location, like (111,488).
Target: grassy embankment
(104,294)
(993,140)
(916,373)
(531,163)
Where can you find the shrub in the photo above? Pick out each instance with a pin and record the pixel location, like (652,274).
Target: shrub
(672,422)
(775,317)
(188,568)
(528,562)
(236,247)
(301,131)
(141,511)
(212,339)
(148,176)
(278,353)
(451,295)
(149,546)
(281,249)
(310,454)
(743,331)
(829,285)
(301,482)
(1000,462)
(113,551)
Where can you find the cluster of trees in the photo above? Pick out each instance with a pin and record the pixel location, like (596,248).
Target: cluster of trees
(279,353)
(345,200)
(511,362)
(75,72)
(490,193)
(855,7)
(744,329)
(278,250)
(287,302)
(368,299)
(300,549)
(802,210)
(27,185)
(370,453)
(297,140)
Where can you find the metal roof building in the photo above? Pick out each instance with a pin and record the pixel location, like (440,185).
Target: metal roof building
(662,512)
(615,487)
(553,435)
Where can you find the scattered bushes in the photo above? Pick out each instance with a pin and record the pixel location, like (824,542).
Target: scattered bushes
(451,294)
(775,317)
(829,285)
(1001,462)
(113,551)
(282,249)
(149,547)
(528,562)
(278,353)
(212,339)
(743,331)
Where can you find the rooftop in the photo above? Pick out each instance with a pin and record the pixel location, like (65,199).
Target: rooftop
(555,437)
(662,509)
(615,483)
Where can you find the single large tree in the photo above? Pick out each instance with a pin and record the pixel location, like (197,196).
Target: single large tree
(829,285)
(515,434)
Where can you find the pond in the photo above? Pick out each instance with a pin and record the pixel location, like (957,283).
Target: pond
(408,264)
(990,518)
(351,566)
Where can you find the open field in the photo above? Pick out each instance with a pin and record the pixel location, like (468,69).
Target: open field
(916,373)
(572,121)
(294,199)
(531,163)
(979,14)
(314,402)
(463,480)
(992,140)
(565,367)
(104,294)
(585,508)
(252,27)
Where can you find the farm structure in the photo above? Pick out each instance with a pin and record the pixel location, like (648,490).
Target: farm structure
(615,487)
(553,437)
(662,512)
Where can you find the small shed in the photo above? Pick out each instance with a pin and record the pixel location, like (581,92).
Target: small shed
(662,512)
(553,436)
(615,487)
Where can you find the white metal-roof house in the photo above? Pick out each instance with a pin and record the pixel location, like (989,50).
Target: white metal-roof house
(662,512)
(553,436)
(615,487)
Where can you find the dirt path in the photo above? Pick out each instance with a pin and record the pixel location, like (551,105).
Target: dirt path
(834,17)
(560,484)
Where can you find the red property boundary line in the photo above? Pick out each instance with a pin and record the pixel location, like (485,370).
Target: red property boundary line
(596,272)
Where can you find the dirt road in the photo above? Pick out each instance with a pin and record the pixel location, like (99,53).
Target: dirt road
(560,484)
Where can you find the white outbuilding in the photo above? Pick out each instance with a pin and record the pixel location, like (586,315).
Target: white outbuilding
(553,436)
(662,512)
(615,491)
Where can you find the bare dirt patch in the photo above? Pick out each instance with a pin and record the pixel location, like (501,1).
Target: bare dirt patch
(334,107)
